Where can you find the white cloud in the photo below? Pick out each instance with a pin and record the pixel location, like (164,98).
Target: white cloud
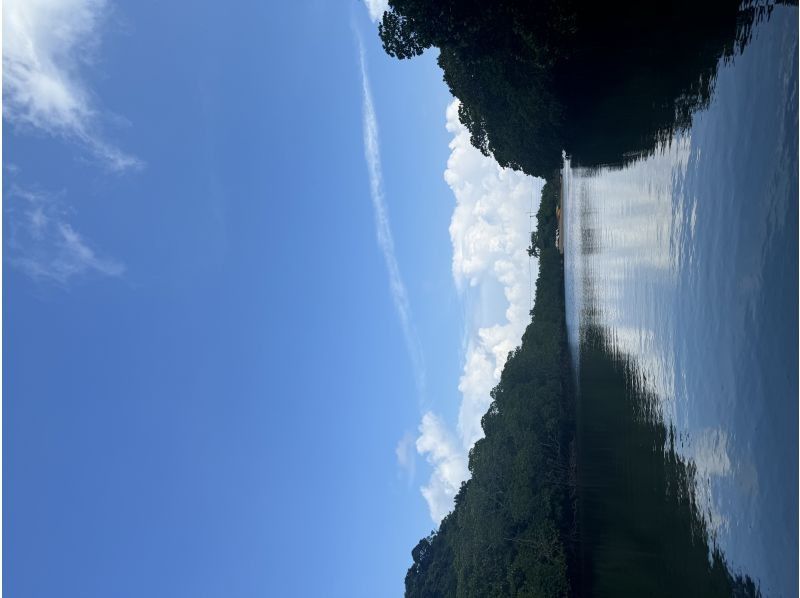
(44,245)
(406,457)
(477,381)
(376,8)
(384,231)
(45,42)
(490,233)
(449,464)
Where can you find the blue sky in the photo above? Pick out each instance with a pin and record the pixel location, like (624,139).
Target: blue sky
(220,378)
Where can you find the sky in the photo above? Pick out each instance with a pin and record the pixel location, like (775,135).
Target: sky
(257,287)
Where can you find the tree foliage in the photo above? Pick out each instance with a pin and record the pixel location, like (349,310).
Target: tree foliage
(514,528)
(507,535)
(599,80)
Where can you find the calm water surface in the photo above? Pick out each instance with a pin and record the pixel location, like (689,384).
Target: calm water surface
(687,261)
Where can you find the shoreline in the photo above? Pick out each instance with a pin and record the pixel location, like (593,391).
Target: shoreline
(560,214)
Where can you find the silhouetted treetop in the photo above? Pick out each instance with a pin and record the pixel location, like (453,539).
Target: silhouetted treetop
(600,80)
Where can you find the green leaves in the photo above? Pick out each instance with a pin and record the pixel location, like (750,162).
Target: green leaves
(506,535)
(401,39)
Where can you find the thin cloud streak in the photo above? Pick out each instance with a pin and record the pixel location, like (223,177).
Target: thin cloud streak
(44,246)
(383,228)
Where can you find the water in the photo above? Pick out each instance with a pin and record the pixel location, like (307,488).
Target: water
(681,275)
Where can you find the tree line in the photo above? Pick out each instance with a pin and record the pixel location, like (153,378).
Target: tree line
(509,532)
(604,82)
(601,80)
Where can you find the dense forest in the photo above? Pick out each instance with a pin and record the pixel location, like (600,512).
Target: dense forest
(547,511)
(509,534)
(541,514)
(601,80)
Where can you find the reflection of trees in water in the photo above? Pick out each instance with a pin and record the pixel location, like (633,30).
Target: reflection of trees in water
(601,80)
(590,243)
(639,73)
(642,532)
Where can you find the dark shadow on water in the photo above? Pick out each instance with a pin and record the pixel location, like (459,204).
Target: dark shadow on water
(642,532)
(641,70)
(603,81)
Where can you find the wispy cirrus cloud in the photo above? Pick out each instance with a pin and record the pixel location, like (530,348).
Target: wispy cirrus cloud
(384,232)
(44,245)
(45,45)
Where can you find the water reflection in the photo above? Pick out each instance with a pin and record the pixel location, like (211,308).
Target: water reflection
(643,532)
(639,73)
(684,264)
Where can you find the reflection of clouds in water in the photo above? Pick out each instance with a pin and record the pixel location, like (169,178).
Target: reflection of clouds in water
(692,258)
(642,220)
(710,453)
(718,478)
(654,367)
(635,230)
(708,449)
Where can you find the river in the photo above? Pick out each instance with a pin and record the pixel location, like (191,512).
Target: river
(684,263)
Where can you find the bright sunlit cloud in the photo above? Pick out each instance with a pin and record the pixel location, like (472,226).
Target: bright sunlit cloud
(448,460)
(490,234)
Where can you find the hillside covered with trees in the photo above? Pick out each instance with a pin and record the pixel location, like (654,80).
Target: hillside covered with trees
(547,510)
(509,533)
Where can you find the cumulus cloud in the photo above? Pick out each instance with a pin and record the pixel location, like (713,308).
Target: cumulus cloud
(385,239)
(490,234)
(44,245)
(376,8)
(45,44)
(448,461)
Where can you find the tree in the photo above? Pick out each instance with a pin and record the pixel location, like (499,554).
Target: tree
(401,39)
(599,80)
